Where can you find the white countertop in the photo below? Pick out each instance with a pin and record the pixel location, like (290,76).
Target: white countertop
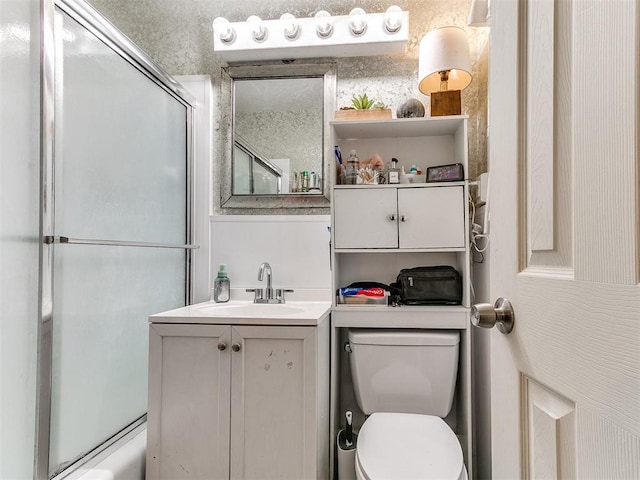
(245,312)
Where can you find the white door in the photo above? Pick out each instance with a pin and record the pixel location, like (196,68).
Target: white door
(273,403)
(365,218)
(563,106)
(188,413)
(431,217)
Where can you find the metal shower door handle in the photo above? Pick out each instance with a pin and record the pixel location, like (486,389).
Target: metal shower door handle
(501,314)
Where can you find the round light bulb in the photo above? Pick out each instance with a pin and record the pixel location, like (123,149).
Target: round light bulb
(357,21)
(223,29)
(324,24)
(290,28)
(393,19)
(258,29)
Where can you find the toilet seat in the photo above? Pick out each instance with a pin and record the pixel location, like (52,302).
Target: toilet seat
(408,446)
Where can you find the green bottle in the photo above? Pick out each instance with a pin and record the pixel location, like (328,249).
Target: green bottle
(221,286)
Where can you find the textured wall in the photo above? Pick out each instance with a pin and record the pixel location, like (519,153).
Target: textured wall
(177,34)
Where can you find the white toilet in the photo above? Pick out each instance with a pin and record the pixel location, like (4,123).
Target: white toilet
(405,380)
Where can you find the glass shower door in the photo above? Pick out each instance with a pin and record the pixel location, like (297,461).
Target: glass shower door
(121,194)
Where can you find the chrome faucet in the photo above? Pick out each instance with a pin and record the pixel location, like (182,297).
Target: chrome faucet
(268,294)
(269,290)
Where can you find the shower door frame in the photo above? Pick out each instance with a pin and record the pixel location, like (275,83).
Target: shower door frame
(91,20)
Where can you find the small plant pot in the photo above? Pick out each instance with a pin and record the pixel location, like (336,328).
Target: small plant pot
(371,114)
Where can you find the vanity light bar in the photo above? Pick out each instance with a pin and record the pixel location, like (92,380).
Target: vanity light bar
(384,33)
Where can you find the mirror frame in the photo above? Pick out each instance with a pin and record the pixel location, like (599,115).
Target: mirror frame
(291,70)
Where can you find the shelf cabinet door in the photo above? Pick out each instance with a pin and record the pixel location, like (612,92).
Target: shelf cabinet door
(431,217)
(365,218)
(188,413)
(273,403)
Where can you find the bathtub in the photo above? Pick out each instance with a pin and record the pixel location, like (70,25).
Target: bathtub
(124,460)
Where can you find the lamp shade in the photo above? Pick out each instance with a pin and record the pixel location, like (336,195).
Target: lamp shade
(444,49)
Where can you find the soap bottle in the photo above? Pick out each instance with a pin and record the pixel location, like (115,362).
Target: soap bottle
(394,172)
(403,176)
(353,165)
(221,286)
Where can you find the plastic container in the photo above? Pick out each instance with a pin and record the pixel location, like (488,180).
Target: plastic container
(364,300)
(222,286)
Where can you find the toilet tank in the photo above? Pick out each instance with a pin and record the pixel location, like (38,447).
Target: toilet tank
(404,371)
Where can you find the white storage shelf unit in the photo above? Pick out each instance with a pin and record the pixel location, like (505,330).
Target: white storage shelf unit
(430,227)
(377,230)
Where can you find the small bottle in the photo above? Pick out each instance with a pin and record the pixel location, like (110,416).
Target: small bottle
(353,165)
(314,181)
(403,176)
(305,181)
(221,286)
(394,172)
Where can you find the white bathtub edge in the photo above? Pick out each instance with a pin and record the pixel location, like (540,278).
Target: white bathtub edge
(124,460)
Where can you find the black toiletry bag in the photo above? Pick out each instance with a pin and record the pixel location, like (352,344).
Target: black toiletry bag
(440,285)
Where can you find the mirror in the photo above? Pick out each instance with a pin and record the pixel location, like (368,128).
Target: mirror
(279,147)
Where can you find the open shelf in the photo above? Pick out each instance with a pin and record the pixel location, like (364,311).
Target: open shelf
(398,127)
(407,316)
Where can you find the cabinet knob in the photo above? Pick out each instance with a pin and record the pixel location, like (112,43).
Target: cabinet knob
(235,347)
(222,346)
(403,218)
(392,217)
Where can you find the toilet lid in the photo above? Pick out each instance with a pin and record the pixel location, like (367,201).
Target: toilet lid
(408,446)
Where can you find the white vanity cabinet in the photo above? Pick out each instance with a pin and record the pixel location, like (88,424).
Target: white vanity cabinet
(377,230)
(419,216)
(238,401)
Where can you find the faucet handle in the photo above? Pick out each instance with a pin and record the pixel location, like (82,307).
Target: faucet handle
(257,292)
(280,293)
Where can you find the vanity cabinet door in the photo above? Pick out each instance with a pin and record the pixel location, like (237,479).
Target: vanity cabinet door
(188,412)
(431,217)
(273,403)
(365,218)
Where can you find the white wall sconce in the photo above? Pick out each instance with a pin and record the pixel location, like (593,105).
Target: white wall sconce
(324,24)
(258,29)
(223,31)
(479,14)
(323,35)
(393,19)
(290,26)
(358,21)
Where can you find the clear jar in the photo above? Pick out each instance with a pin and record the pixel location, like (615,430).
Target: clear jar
(353,165)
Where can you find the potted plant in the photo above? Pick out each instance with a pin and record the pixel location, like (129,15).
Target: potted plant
(364,108)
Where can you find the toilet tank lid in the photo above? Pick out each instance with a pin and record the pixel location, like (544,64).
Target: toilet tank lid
(366,336)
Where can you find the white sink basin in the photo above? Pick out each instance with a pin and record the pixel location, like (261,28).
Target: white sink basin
(249,310)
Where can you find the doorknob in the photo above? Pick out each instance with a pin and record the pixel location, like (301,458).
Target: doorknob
(501,314)
(222,346)
(235,347)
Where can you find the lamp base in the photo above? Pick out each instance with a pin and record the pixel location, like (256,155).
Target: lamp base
(446,103)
